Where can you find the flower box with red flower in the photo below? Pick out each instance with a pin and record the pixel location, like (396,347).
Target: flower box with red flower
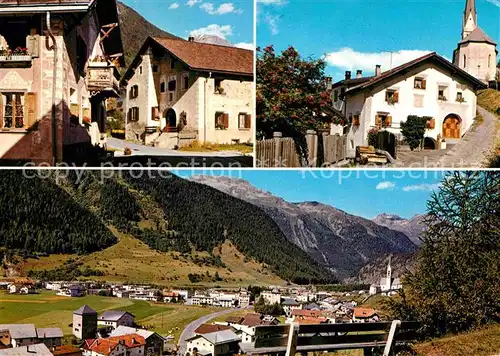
(19,56)
(86,122)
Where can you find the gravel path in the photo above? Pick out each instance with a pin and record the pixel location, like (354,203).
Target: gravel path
(469,152)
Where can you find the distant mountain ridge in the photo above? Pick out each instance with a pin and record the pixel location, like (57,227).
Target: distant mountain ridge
(342,242)
(413,228)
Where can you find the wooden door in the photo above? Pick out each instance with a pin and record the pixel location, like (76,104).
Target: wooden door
(451,128)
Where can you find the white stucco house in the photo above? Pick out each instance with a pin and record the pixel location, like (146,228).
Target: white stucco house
(476,53)
(427,86)
(180,91)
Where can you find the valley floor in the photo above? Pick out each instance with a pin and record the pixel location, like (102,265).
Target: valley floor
(50,310)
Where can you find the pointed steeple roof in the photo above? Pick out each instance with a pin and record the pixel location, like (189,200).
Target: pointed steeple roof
(85,310)
(478,35)
(470,9)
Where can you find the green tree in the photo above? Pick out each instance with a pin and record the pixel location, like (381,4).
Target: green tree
(413,129)
(291,95)
(456,285)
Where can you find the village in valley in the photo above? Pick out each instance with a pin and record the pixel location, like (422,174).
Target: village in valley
(429,112)
(235,315)
(70,96)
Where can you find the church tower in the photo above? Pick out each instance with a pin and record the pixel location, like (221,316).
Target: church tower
(476,52)
(389,274)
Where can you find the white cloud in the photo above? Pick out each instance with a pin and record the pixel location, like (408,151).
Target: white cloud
(225,8)
(174,6)
(191,3)
(494,2)
(347,58)
(245,45)
(385,185)
(421,187)
(272,22)
(213,30)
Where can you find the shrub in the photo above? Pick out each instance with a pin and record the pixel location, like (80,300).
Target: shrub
(414,130)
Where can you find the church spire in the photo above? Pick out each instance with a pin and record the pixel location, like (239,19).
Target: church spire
(470,18)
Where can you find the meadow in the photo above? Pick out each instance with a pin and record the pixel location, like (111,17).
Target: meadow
(50,310)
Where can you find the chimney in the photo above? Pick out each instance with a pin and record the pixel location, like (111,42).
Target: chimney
(328,81)
(191,39)
(347,74)
(359,73)
(378,70)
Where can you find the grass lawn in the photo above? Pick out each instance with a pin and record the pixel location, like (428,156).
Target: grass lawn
(238,312)
(215,147)
(132,261)
(489,99)
(481,342)
(49,310)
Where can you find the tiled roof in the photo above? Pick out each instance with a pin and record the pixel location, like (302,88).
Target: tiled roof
(210,57)
(252,319)
(364,312)
(85,310)
(113,315)
(478,35)
(306,313)
(404,68)
(47,333)
(126,330)
(20,331)
(31,350)
(235,319)
(219,337)
(106,346)
(65,350)
(210,328)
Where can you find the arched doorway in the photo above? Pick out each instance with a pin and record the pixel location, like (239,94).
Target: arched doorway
(429,143)
(171,118)
(452,126)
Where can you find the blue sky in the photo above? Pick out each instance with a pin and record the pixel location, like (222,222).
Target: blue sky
(229,19)
(363,193)
(356,33)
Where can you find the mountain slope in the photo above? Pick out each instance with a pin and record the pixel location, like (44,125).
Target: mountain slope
(342,242)
(135,30)
(413,228)
(374,270)
(167,213)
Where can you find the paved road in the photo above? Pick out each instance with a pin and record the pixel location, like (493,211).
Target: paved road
(470,151)
(191,327)
(146,156)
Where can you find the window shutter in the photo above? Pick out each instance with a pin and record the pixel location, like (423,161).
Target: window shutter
(30,105)
(396,97)
(1,110)
(248,121)
(424,84)
(377,120)
(388,121)
(226,120)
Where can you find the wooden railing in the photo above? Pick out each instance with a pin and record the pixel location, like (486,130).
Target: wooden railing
(294,338)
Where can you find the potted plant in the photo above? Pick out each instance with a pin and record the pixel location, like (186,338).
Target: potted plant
(86,122)
(442,98)
(460,99)
(219,90)
(20,51)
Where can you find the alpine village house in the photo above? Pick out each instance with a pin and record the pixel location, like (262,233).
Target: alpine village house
(59,63)
(179,91)
(429,86)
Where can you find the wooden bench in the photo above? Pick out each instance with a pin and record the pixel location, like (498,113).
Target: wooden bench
(294,338)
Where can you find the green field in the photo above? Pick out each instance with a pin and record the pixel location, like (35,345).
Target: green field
(49,310)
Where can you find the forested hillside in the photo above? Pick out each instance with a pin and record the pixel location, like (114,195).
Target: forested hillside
(168,214)
(36,215)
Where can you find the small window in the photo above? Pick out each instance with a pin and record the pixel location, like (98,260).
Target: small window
(460,97)
(335,95)
(221,120)
(391,96)
(171,96)
(185,81)
(418,101)
(172,84)
(442,92)
(162,86)
(244,121)
(155,68)
(465,61)
(133,114)
(140,70)
(134,92)
(420,83)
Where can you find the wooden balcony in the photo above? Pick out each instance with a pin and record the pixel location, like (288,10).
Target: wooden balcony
(15,60)
(103,79)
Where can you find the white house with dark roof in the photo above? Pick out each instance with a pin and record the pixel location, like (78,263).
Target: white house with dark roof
(115,318)
(51,337)
(476,53)
(16,335)
(218,343)
(28,350)
(429,86)
(180,91)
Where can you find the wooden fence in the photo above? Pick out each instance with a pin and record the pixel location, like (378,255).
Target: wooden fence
(291,339)
(281,151)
